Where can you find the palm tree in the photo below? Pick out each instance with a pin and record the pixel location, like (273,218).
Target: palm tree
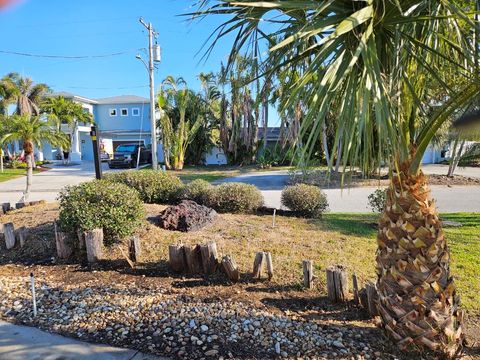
(378,58)
(176,101)
(25,93)
(64,111)
(32,131)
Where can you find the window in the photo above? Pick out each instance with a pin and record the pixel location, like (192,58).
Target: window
(124,112)
(136,112)
(113,112)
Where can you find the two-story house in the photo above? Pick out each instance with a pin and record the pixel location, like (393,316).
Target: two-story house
(123,119)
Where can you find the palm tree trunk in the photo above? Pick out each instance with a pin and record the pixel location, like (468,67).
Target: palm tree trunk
(417,301)
(325,145)
(29,161)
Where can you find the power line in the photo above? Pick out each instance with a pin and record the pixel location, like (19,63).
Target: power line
(67,57)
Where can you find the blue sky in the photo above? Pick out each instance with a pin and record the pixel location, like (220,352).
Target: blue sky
(97,27)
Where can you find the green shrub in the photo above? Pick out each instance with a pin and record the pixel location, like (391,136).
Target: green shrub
(306,200)
(116,208)
(154,187)
(17,164)
(199,191)
(235,198)
(377,199)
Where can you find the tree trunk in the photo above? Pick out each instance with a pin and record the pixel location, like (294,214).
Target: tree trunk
(325,145)
(28,147)
(417,299)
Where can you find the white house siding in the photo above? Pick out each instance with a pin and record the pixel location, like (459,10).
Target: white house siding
(215,156)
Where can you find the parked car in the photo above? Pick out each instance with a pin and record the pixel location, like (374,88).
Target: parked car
(104,156)
(125,155)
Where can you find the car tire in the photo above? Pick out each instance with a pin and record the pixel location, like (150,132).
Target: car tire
(133,163)
(111,166)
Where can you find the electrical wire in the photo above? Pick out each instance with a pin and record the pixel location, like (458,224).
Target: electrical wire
(68,57)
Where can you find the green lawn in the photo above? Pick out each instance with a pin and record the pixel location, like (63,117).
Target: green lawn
(214,173)
(464,244)
(9,174)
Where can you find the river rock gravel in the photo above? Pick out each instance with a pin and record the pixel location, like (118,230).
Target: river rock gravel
(180,326)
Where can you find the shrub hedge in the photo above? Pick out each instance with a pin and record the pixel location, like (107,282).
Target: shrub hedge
(154,187)
(200,191)
(306,200)
(235,198)
(116,208)
(377,199)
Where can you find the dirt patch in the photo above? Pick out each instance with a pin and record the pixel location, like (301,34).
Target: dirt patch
(356,179)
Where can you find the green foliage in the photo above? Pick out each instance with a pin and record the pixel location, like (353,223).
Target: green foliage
(199,190)
(154,187)
(114,207)
(377,199)
(471,157)
(306,200)
(16,164)
(235,198)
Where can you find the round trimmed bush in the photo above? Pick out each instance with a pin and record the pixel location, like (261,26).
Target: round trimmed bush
(377,200)
(114,207)
(199,191)
(234,197)
(306,200)
(154,187)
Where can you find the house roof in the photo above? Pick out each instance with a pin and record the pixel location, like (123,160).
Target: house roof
(273,133)
(123,99)
(68,95)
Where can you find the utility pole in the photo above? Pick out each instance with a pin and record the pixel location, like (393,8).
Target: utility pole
(153,122)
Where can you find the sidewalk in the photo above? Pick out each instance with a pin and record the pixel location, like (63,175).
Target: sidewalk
(28,343)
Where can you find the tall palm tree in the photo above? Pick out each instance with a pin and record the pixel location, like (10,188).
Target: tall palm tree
(61,111)
(180,120)
(25,93)
(32,131)
(378,57)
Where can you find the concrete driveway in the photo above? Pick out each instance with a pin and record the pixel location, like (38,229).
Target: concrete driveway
(46,185)
(449,199)
(27,343)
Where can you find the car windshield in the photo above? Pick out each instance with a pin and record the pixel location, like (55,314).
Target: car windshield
(126,148)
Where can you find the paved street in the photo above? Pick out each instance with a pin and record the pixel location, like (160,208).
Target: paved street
(27,343)
(46,186)
(449,199)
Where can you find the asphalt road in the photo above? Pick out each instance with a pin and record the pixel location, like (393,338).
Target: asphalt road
(449,199)
(46,186)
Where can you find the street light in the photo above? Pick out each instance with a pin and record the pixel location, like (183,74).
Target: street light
(150,68)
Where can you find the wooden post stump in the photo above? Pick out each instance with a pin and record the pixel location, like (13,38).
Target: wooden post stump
(268,259)
(21,205)
(21,234)
(209,257)
(94,245)
(337,284)
(260,259)
(308,273)
(9,234)
(134,248)
(6,207)
(356,297)
(176,258)
(371,290)
(363,298)
(64,250)
(193,258)
(230,268)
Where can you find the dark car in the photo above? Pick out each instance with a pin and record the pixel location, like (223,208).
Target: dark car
(125,155)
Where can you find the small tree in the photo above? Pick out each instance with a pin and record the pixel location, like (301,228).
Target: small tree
(178,128)
(32,131)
